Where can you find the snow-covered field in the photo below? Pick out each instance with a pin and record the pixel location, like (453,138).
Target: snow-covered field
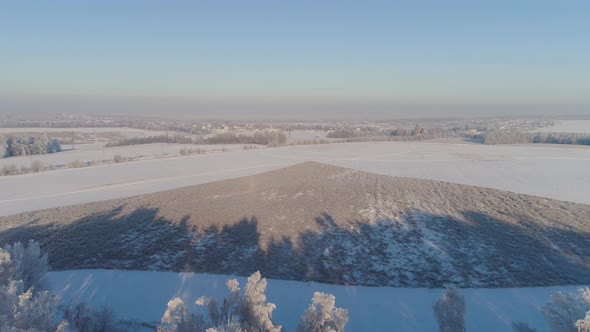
(123,131)
(137,295)
(97,152)
(554,171)
(567,126)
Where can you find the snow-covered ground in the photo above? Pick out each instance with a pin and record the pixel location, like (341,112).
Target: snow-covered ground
(123,131)
(554,171)
(567,126)
(137,295)
(98,152)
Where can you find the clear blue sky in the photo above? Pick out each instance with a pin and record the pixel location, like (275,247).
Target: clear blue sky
(282,56)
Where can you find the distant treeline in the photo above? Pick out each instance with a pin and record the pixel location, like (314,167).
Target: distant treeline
(519,137)
(259,137)
(417,133)
(179,139)
(12,146)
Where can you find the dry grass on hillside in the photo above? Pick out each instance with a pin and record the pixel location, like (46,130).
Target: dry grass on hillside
(325,223)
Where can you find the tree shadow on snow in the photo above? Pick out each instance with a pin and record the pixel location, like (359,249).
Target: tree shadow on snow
(417,250)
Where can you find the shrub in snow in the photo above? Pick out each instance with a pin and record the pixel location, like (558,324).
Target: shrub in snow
(247,311)
(522,327)
(565,310)
(450,311)
(323,316)
(82,318)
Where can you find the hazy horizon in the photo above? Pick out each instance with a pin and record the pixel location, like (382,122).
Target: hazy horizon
(263,59)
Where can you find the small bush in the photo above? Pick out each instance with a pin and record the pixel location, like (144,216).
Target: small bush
(76,164)
(37,166)
(11,169)
(119,159)
(82,318)
(522,327)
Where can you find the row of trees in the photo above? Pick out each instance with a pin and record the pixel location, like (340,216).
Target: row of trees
(267,137)
(27,306)
(416,133)
(270,138)
(563,313)
(249,311)
(179,139)
(519,137)
(13,146)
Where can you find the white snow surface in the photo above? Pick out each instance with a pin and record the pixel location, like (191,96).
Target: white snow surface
(143,296)
(98,152)
(123,131)
(553,171)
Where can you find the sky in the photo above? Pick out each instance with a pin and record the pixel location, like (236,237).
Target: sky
(286,58)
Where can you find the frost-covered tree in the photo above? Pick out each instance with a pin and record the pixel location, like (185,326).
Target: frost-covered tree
(565,310)
(26,307)
(53,146)
(29,264)
(35,311)
(583,325)
(450,311)
(24,146)
(3,146)
(247,311)
(177,318)
(39,144)
(257,313)
(323,316)
(22,307)
(9,288)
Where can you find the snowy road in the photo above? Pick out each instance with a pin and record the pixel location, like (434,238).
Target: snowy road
(552,171)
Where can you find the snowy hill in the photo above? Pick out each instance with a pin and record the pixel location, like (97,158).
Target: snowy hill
(142,296)
(315,222)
